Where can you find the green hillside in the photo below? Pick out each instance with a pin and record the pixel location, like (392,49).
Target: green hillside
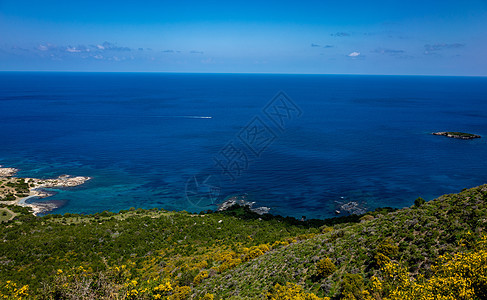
(433,250)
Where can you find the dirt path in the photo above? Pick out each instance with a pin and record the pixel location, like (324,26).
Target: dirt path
(12,214)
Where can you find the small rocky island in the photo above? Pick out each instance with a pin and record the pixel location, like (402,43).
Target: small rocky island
(458,135)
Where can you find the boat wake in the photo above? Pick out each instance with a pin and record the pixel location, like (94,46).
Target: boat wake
(149,116)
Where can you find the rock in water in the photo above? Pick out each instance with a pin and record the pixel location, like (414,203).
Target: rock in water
(458,135)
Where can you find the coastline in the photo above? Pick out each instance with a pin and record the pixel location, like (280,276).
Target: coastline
(23,189)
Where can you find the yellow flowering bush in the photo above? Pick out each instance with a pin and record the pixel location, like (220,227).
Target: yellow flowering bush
(291,291)
(326,229)
(455,277)
(208,297)
(163,288)
(202,275)
(10,290)
(180,293)
(325,268)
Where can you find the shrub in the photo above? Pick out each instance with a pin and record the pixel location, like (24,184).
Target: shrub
(352,287)
(419,201)
(325,268)
(10,290)
(290,291)
(455,276)
(388,247)
(366,218)
(202,275)
(180,293)
(385,251)
(325,229)
(253,254)
(381,259)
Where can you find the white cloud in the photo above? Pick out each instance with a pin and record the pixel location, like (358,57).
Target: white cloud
(78,49)
(72,50)
(354,54)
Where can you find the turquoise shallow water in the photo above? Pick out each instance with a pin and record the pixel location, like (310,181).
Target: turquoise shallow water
(142,139)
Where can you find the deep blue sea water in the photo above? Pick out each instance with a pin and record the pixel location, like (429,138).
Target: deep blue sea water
(141,137)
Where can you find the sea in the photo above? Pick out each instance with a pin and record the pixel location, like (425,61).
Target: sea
(317,146)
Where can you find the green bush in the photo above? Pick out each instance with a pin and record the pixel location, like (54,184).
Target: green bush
(388,247)
(366,218)
(326,229)
(325,268)
(419,201)
(352,287)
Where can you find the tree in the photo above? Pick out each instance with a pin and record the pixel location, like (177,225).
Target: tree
(419,201)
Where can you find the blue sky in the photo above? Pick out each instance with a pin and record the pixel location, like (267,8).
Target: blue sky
(317,37)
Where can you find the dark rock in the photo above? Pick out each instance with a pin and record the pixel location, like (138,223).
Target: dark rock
(458,135)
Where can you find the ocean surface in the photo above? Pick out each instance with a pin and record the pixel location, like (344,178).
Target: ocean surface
(302,145)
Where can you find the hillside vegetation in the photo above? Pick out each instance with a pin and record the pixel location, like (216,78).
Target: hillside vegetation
(433,250)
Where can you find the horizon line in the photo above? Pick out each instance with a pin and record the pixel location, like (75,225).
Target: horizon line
(235,73)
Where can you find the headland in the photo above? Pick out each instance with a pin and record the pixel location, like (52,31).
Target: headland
(17,191)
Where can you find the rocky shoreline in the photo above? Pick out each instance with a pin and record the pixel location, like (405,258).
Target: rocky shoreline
(242,201)
(13,187)
(7,172)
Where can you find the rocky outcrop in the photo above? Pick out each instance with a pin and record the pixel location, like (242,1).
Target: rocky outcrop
(7,172)
(458,135)
(62,181)
(242,201)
